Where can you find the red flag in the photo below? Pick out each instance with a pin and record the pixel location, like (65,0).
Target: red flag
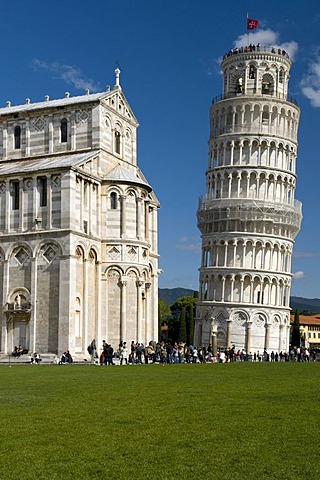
(252,24)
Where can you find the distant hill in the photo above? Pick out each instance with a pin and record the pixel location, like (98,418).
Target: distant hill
(311,305)
(171,295)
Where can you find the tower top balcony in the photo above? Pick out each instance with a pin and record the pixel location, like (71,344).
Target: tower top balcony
(259,52)
(255,71)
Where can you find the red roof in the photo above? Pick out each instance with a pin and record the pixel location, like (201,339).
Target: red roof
(307,319)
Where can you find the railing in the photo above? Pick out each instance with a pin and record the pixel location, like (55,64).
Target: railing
(13,307)
(253,210)
(255,129)
(256,49)
(205,201)
(280,96)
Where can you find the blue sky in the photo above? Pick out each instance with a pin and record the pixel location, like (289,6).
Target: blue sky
(169,53)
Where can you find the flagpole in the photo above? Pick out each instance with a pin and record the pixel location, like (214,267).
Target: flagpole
(247,30)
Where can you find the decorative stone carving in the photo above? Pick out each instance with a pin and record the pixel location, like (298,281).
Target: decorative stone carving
(56,180)
(28,184)
(2,187)
(39,124)
(83,116)
(240,318)
(21,255)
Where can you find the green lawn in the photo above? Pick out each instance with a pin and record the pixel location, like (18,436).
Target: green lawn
(232,421)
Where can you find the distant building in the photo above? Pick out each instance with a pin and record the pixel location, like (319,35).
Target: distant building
(78,226)
(309,330)
(248,217)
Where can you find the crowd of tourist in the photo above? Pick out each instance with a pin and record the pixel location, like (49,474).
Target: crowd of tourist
(174,353)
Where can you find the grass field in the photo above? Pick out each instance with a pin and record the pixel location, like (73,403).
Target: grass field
(232,421)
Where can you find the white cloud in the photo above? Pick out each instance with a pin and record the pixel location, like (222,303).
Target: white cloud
(298,275)
(190,244)
(191,247)
(68,73)
(305,254)
(267,38)
(310,83)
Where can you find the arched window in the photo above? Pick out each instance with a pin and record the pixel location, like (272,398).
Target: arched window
(64,130)
(239,85)
(117,142)
(252,72)
(17,138)
(267,85)
(113,201)
(281,75)
(265,118)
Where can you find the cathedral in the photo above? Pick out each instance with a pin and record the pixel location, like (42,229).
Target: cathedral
(78,226)
(249,217)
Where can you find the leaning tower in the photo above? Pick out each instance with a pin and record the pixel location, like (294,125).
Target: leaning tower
(248,217)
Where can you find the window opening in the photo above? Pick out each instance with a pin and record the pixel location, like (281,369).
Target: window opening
(117,139)
(17,138)
(43,191)
(64,130)
(113,201)
(15,195)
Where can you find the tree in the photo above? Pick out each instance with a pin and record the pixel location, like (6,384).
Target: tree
(164,312)
(183,325)
(164,315)
(191,325)
(190,304)
(295,338)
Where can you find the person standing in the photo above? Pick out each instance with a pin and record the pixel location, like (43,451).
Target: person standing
(124,353)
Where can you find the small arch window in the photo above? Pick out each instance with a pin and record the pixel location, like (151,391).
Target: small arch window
(117,142)
(252,72)
(64,130)
(267,86)
(239,85)
(42,187)
(281,76)
(17,138)
(113,201)
(265,118)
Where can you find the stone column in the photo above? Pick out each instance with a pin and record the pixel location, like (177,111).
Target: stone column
(139,312)
(267,336)
(66,338)
(229,331)
(214,342)
(21,205)
(123,216)
(81,202)
(85,302)
(148,330)
(5,291)
(248,342)
(90,208)
(50,131)
(33,300)
(154,238)
(49,203)
(4,140)
(123,311)
(139,217)
(223,288)
(147,222)
(7,208)
(73,130)
(241,289)
(99,208)
(99,302)
(232,153)
(27,148)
